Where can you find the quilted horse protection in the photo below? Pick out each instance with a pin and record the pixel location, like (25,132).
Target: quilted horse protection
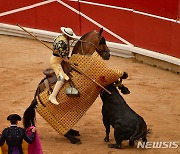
(64,116)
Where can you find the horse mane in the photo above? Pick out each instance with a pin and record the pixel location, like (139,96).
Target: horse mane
(78,42)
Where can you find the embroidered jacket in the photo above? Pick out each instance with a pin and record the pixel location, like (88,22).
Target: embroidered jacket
(14,136)
(60,46)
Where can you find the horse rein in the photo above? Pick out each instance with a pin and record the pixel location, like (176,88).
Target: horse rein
(97,49)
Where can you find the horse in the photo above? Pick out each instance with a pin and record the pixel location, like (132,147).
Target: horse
(86,45)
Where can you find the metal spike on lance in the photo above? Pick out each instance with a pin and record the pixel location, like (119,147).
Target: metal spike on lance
(66,60)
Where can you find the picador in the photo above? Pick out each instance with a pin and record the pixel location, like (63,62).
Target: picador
(61,51)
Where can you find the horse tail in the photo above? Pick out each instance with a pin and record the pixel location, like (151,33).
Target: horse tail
(29,117)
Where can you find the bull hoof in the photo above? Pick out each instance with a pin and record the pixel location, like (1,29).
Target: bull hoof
(131,143)
(74,132)
(106,139)
(115,146)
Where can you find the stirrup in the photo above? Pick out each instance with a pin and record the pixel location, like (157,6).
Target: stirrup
(72,92)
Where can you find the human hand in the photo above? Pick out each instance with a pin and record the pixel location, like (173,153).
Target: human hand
(34,130)
(66,59)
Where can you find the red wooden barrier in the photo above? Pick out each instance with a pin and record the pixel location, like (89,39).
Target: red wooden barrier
(143,31)
(118,21)
(152,33)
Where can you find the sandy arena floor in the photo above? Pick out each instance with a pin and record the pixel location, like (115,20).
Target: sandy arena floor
(155,95)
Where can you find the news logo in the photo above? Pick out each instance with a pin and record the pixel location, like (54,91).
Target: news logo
(158,145)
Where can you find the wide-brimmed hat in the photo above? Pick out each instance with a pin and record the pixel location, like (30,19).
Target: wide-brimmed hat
(14,117)
(68,31)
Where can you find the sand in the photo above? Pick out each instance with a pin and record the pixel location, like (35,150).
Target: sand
(155,95)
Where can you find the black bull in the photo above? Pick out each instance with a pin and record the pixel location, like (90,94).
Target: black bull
(127,124)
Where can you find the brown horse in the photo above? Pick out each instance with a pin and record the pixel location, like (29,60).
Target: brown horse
(86,45)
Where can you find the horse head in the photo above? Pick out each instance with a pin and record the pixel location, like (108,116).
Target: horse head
(91,42)
(102,48)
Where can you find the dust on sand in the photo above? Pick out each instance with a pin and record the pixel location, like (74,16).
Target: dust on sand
(155,95)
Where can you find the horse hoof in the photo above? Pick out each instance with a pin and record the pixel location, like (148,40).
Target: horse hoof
(124,76)
(74,132)
(76,141)
(115,146)
(125,90)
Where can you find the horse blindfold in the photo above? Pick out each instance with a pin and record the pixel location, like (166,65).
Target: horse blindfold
(102,40)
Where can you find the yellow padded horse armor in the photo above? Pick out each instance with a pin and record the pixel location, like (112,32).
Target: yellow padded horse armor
(64,116)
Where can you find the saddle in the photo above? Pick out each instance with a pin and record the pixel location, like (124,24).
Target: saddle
(51,79)
(50,75)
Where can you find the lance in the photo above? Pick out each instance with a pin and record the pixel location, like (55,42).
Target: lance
(72,65)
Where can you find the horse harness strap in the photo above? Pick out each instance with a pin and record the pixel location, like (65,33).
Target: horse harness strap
(46,82)
(82,48)
(97,49)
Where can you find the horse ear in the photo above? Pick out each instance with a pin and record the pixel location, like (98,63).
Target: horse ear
(100,32)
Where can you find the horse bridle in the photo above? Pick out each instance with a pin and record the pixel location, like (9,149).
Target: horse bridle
(97,49)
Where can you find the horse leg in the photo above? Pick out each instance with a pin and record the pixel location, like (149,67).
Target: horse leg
(121,87)
(124,76)
(72,139)
(124,89)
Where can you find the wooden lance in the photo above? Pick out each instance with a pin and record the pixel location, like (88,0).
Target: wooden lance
(72,65)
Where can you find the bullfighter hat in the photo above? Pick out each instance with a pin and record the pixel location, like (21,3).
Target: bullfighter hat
(14,117)
(68,31)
